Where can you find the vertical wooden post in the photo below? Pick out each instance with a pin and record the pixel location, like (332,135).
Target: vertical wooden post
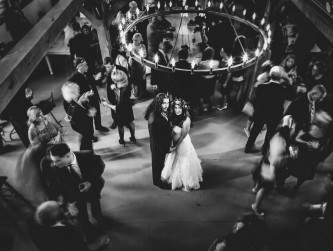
(103,40)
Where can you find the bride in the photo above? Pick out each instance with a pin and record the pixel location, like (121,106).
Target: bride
(182,166)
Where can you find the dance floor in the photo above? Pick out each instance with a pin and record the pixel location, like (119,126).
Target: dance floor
(146,218)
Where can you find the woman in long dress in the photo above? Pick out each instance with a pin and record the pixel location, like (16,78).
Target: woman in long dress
(182,166)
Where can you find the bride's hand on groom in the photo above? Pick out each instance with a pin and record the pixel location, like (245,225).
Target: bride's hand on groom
(171,149)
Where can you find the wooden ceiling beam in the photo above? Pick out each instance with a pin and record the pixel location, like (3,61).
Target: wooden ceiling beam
(19,63)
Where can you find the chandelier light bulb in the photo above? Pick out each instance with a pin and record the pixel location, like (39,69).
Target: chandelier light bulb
(245,57)
(209,4)
(244,12)
(170,4)
(165,5)
(211,66)
(156,60)
(173,62)
(137,11)
(268,27)
(230,61)
(256,53)
(233,8)
(265,46)
(269,33)
(123,21)
(254,16)
(269,40)
(147,8)
(158,5)
(196,3)
(262,21)
(120,27)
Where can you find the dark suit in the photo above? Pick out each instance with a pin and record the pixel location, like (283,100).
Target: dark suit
(56,238)
(268,109)
(160,142)
(160,78)
(86,83)
(81,123)
(63,182)
(182,81)
(299,109)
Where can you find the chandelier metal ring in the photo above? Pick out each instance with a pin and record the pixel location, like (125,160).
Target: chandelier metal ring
(252,59)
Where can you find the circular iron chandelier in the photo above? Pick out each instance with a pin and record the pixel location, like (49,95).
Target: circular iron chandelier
(248,59)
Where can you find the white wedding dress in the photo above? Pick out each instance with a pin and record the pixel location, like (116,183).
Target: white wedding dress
(182,166)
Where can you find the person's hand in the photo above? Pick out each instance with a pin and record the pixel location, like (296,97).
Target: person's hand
(84,187)
(72,209)
(98,76)
(113,87)
(313,144)
(92,112)
(172,148)
(84,97)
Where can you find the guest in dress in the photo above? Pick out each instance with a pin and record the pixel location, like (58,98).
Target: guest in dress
(119,92)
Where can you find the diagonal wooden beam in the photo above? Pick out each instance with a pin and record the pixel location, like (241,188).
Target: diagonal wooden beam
(16,67)
(322,22)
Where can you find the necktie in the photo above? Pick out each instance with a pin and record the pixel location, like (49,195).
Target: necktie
(312,111)
(74,169)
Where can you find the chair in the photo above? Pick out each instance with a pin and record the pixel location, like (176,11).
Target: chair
(47,106)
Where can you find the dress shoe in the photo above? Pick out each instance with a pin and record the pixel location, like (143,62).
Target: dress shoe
(164,186)
(122,142)
(257,211)
(133,140)
(94,139)
(102,129)
(114,125)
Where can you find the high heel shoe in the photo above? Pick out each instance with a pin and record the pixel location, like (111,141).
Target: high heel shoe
(122,142)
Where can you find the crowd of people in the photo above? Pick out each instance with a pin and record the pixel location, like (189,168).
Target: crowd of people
(296,110)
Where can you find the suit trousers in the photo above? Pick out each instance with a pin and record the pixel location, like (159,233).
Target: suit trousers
(86,142)
(97,118)
(258,124)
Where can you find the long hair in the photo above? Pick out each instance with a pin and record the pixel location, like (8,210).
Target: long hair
(156,105)
(178,120)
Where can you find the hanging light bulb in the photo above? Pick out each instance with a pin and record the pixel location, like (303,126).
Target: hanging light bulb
(269,33)
(156,60)
(211,63)
(120,27)
(137,12)
(158,5)
(269,40)
(262,21)
(123,40)
(173,63)
(265,46)
(256,53)
(254,16)
(123,21)
(170,4)
(209,4)
(244,12)
(147,7)
(196,3)
(230,61)
(165,6)
(268,27)
(233,8)
(221,5)
(192,66)
(245,58)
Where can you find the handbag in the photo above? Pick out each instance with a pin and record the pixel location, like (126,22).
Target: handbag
(248,109)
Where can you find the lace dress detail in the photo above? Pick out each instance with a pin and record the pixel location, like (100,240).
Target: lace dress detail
(182,167)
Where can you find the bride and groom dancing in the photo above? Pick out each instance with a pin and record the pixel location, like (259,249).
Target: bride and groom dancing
(174,160)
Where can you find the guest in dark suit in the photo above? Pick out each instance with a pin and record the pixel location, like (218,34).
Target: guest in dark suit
(50,232)
(181,81)
(87,82)
(79,113)
(268,109)
(303,108)
(160,135)
(76,177)
(160,78)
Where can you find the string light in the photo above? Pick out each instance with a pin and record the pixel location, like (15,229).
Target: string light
(170,4)
(196,3)
(262,21)
(158,5)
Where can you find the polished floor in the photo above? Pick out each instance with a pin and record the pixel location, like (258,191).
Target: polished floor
(144,217)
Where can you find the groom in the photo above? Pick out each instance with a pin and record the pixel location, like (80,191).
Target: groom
(160,135)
